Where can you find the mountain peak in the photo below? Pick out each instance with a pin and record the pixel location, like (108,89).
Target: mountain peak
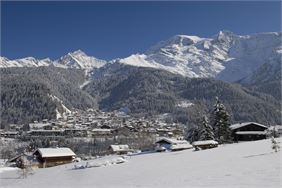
(225,35)
(185,39)
(79,60)
(78,52)
(176,40)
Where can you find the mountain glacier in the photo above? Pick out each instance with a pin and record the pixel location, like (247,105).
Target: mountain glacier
(225,56)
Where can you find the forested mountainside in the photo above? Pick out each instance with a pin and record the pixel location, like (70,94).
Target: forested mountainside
(151,91)
(266,79)
(29,94)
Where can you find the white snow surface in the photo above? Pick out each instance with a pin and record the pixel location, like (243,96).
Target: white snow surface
(244,165)
(184,104)
(55,152)
(204,142)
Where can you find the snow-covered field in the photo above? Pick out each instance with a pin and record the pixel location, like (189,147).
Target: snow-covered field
(246,165)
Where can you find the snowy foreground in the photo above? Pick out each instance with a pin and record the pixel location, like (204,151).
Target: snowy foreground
(248,164)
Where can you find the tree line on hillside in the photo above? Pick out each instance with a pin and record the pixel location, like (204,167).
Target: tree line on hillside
(218,129)
(26,93)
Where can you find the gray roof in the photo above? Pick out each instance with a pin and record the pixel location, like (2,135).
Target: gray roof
(239,125)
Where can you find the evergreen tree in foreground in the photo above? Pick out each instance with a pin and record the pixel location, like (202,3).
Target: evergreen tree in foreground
(221,123)
(275,145)
(206,132)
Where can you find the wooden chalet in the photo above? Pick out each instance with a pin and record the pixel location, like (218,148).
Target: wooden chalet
(48,157)
(205,144)
(22,160)
(119,149)
(173,144)
(249,131)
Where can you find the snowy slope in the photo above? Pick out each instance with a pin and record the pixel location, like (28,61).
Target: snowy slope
(270,71)
(225,56)
(244,165)
(24,62)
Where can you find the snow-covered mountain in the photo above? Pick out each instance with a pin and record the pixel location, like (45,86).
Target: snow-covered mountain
(268,72)
(77,59)
(225,56)
(24,62)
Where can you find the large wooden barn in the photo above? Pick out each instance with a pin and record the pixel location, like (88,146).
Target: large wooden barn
(248,131)
(48,157)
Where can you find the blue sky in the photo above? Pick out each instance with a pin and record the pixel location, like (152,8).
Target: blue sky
(109,30)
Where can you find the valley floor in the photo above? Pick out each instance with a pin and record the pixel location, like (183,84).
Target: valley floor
(245,165)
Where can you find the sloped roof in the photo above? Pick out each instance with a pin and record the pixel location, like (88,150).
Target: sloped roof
(204,142)
(239,125)
(55,152)
(251,133)
(176,144)
(173,141)
(117,148)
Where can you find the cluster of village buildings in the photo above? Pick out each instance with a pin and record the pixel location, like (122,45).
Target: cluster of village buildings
(93,123)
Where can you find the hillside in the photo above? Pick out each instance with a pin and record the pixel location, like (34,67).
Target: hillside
(29,94)
(245,165)
(266,79)
(150,91)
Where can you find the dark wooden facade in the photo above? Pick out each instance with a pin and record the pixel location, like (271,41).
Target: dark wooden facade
(249,132)
(52,161)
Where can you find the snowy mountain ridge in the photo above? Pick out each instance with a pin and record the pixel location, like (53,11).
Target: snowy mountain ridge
(225,56)
(77,59)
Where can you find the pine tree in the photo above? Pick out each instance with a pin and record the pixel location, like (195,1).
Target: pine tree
(275,145)
(221,123)
(206,132)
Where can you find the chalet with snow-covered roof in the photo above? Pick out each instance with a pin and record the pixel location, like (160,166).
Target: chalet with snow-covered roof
(119,149)
(248,131)
(172,144)
(22,160)
(205,144)
(48,157)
